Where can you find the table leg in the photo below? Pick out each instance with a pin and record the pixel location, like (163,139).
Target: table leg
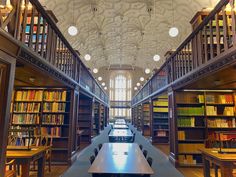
(226,170)
(206,167)
(41,166)
(25,169)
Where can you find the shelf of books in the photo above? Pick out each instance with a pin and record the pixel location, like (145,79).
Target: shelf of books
(47,110)
(96,119)
(200,114)
(102,117)
(36,30)
(190,127)
(160,121)
(139,118)
(85,119)
(146,119)
(135,116)
(220,113)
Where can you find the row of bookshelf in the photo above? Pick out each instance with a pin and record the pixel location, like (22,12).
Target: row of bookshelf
(183,111)
(54,107)
(221,123)
(25,119)
(26,107)
(53,119)
(39,95)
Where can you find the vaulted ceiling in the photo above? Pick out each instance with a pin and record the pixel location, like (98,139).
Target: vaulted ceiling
(125,32)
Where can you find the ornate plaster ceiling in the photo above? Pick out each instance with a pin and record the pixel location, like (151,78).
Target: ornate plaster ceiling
(125,32)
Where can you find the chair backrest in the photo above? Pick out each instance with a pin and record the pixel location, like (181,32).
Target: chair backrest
(100,146)
(141,146)
(134,137)
(91,159)
(149,160)
(145,153)
(95,151)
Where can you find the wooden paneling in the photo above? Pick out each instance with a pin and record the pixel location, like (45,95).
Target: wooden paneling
(7,69)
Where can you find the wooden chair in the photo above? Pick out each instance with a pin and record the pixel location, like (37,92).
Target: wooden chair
(91,159)
(45,140)
(95,152)
(145,153)
(10,169)
(100,146)
(149,160)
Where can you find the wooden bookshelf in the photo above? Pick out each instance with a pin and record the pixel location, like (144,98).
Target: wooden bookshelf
(46,110)
(96,118)
(146,118)
(199,115)
(139,121)
(85,118)
(190,127)
(160,129)
(102,117)
(7,66)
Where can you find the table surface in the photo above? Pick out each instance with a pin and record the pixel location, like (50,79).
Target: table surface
(120,133)
(120,123)
(25,153)
(120,158)
(120,126)
(213,152)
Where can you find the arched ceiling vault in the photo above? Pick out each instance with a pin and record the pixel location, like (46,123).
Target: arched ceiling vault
(125,32)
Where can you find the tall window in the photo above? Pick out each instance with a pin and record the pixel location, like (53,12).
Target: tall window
(120,90)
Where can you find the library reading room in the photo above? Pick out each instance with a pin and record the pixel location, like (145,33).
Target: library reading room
(117,88)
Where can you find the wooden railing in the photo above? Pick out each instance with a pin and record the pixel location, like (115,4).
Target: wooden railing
(120,104)
(213,38)
(28,22)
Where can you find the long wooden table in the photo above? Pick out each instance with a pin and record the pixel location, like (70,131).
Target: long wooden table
(24,157)
(223,161)
(120,126)
(120,135)
(120,158)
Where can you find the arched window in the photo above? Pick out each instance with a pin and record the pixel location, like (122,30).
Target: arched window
(120,90)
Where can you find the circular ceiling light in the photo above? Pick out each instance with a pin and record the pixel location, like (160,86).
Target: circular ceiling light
(105,88)
(135,88)
(99,78)
(103,84)
(138,84)
(141,79)
(87,57)
(95,70)
(156,57)
(147,70)
(173,31)
(72,30)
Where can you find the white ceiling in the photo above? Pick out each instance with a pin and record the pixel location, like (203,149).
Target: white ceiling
(123,32)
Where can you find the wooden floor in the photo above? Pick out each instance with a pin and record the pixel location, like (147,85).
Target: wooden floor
(187,172)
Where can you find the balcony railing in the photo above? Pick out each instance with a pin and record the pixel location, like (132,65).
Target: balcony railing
(212,39)
(28,22)
(120,104)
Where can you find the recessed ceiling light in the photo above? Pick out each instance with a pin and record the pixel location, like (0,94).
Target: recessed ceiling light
(99,78)
(138,84)
(147,70)
(173,31)
(135,88)
(72,30)
(141,79)
(105,88)
(87,57)
(95,70)
(156,57)
(103,84)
